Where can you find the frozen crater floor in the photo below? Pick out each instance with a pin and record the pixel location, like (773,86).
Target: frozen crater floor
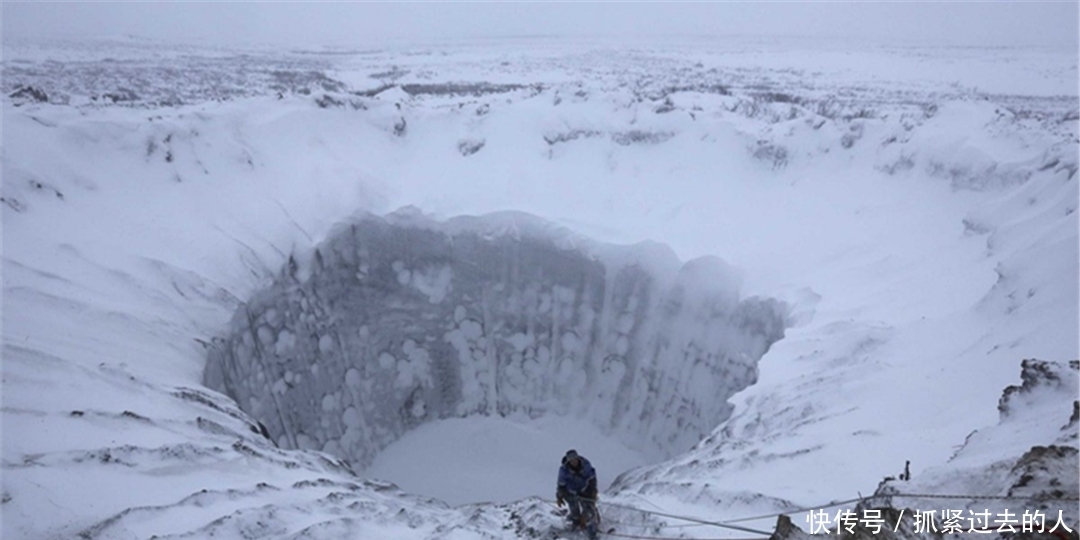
(492,459)
(241,292)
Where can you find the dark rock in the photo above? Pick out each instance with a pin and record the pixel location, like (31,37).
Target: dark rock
(786,530)
(1034,374)
(468,148)
(327,101)
(122,95)
(30,93)
(1040,472)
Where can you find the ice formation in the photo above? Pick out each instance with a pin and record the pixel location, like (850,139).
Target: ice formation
(400,321)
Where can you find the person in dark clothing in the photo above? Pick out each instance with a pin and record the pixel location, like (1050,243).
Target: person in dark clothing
(577,489)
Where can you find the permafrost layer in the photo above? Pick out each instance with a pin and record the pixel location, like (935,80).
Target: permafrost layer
(400,321)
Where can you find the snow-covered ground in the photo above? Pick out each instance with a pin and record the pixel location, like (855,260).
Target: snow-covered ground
(913,208)
(480,459)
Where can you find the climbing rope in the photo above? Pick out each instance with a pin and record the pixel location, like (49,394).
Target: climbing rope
(688,518)
(645,537)
(658,526)
(794,511)
(975,497)
(728,524)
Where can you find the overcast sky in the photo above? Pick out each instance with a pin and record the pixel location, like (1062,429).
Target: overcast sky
(968,23)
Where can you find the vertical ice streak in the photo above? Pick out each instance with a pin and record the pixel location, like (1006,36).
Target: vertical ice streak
(400,321)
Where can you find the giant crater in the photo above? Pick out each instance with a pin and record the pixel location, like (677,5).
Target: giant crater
(399,321)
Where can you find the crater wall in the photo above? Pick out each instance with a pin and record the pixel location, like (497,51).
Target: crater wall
(397,321)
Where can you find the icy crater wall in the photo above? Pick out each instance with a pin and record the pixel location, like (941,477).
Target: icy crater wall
(399,321)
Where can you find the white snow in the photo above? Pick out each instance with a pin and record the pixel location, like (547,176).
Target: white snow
(496,459)
(916,207)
